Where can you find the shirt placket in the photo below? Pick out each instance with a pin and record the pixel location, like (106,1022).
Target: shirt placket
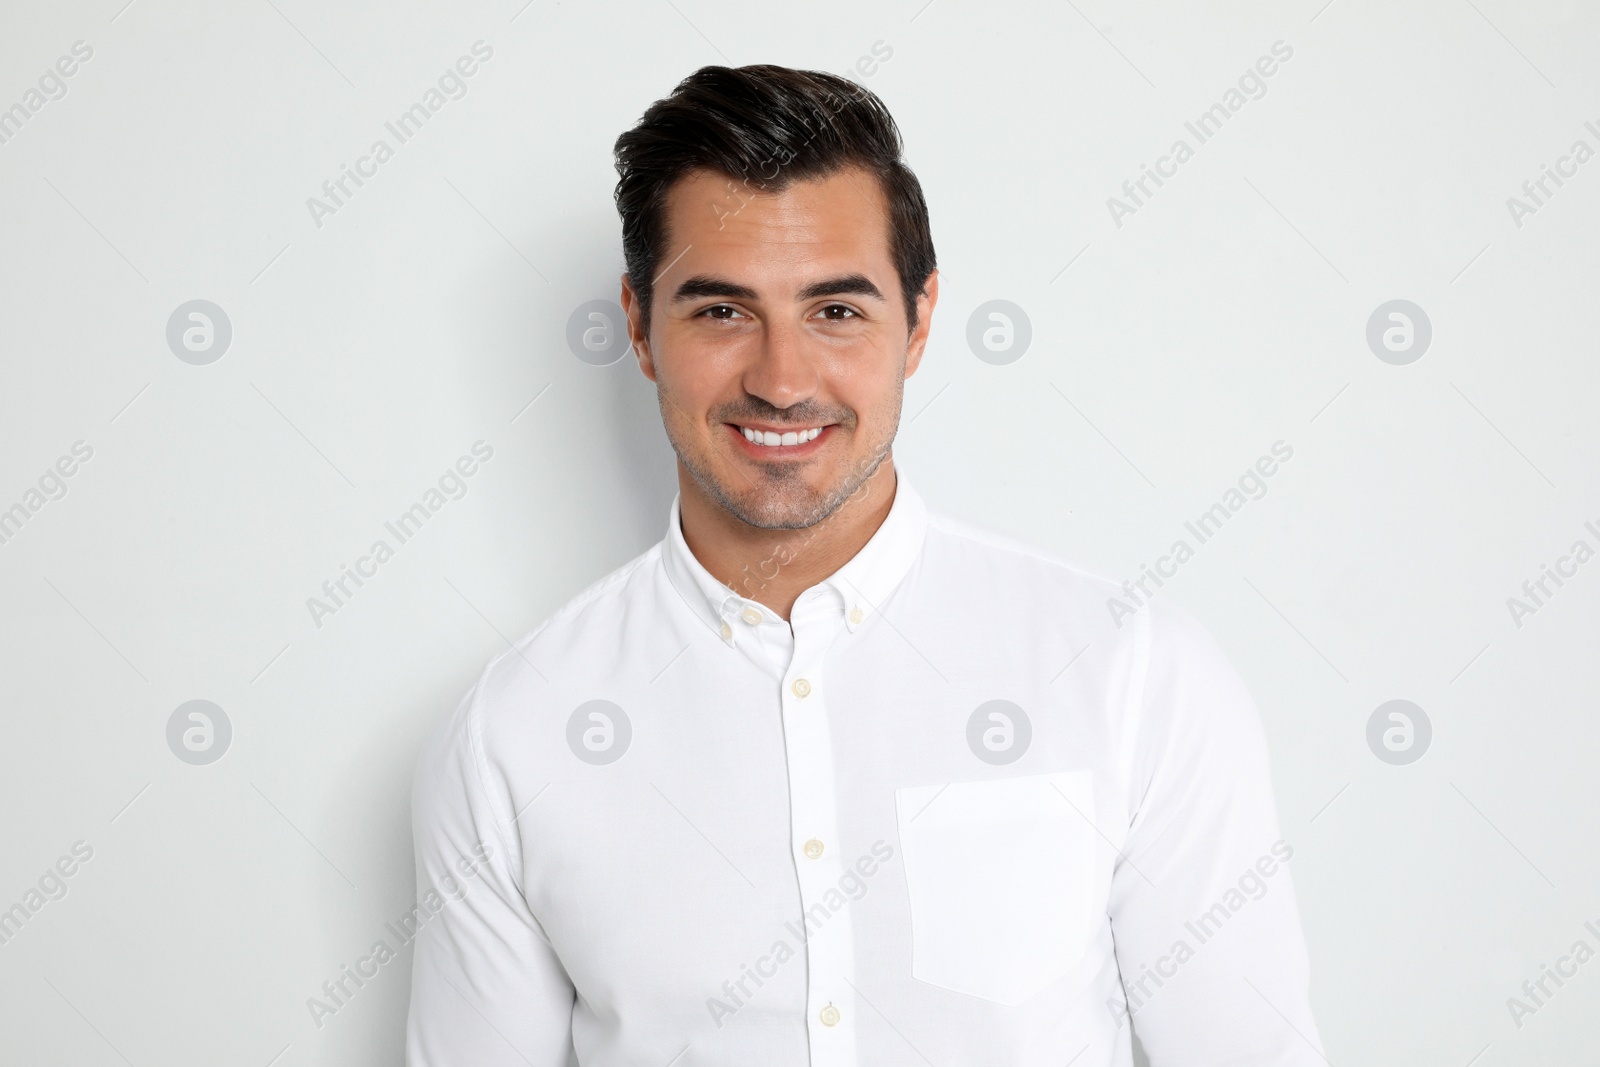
(814,839)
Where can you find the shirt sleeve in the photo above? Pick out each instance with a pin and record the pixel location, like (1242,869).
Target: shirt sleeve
(1203,912)
(487,988)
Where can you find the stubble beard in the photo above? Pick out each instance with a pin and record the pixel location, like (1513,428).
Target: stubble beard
(779,498)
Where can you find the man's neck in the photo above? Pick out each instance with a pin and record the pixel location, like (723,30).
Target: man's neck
(774,567)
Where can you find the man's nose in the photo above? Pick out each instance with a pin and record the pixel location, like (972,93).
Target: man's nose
(782,372)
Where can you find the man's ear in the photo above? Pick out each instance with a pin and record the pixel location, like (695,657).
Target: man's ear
(919,336)
(637,334)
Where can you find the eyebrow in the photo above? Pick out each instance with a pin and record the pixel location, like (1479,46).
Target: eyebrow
(703,285)
(845,285)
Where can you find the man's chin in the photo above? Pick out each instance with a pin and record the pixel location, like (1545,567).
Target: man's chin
(776,498)
(777,495)
(787,508)
(785,499)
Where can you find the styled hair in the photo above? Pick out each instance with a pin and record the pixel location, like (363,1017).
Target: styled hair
(765,126)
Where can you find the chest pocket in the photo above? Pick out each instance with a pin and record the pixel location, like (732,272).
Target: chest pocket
(1006,895)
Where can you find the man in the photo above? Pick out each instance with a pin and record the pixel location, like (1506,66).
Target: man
(825,777)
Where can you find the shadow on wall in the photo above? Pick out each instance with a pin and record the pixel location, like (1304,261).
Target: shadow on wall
(648,471)
(635,472)
(583,421)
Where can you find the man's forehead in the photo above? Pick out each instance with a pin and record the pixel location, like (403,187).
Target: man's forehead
(806,230)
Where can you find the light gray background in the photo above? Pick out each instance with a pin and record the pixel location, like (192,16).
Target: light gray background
(1167,354)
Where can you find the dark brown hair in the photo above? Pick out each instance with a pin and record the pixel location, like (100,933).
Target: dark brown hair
(765,127)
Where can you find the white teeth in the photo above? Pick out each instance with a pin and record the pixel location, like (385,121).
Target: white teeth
(769,437)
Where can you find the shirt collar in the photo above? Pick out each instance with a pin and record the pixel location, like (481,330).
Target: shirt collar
(859,587)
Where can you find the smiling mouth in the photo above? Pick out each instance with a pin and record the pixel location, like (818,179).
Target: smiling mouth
(778,439)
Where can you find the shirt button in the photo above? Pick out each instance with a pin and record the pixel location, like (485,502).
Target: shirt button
(801,688)
(727,631)
(829,1015)
(856,615)
(751,616)
(814,850)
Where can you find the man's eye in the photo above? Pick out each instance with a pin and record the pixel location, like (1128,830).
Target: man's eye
(838,313)
(721,312)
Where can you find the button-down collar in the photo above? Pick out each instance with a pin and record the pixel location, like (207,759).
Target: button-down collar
(857,588)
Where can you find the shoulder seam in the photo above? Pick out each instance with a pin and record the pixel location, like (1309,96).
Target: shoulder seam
(581,600)
(480,770)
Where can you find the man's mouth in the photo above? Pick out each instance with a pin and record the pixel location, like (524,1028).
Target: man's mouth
(779,438)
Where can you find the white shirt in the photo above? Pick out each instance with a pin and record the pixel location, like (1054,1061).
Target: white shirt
(819,842)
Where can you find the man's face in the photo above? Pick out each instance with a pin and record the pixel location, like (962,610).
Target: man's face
(779,316)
